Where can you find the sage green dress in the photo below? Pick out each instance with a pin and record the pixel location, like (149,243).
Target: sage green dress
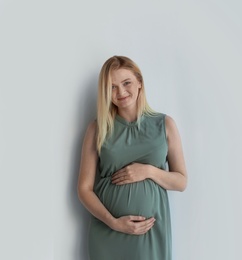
(130,142)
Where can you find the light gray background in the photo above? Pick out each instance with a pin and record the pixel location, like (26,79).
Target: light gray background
(50,56)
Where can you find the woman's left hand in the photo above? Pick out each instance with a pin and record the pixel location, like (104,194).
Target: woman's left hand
(132,173)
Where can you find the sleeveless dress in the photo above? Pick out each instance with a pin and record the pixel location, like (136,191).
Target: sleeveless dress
(144,143)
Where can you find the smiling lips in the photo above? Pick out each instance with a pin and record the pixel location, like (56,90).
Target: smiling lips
(123,98)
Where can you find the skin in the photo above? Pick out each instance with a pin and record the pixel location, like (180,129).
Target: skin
(124,95)
(125,90)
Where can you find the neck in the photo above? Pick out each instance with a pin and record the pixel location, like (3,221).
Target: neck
(128,115)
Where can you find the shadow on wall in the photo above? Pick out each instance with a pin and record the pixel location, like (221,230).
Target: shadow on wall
(86,112)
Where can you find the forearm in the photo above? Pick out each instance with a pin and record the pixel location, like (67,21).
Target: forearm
(168,180)
(92,203)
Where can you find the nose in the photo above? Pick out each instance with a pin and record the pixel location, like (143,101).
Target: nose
(121,90)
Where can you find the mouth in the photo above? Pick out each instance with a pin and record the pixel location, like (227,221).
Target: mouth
(123,98)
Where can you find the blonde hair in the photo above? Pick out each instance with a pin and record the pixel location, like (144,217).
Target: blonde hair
(106,110)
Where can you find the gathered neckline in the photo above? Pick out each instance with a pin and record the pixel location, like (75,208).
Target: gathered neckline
(125,122)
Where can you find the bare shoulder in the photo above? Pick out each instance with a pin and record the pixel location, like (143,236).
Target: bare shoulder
(171,127)
(91,129)
(169,120)
(90,135)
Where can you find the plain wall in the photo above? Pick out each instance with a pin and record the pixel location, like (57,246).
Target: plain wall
(50,56)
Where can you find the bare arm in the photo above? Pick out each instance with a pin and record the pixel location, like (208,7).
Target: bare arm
(86,179)
(174,179)
(89,199)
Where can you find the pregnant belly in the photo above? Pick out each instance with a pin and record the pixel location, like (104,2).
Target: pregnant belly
(143,198)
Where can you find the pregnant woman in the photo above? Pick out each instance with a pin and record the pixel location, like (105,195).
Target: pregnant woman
(123,180)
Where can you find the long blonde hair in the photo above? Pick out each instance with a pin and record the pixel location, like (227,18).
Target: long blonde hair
(106,110)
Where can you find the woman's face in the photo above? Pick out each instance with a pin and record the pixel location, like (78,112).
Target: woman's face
(125,88)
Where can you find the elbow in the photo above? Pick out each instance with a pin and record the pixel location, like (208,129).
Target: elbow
(182,188)
(83,193)
(80,193)
(183,184)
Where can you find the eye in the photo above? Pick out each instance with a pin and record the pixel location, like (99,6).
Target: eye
(113,87)
(126,83)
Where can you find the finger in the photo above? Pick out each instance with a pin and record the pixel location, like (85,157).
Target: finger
(144,226)
(142,229)
(120,179)
(119,171)
(146,223)
(147,229)
(137,218)
(120,175)
(122,182)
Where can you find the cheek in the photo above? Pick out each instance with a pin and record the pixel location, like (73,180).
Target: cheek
(137,90)
(113,97)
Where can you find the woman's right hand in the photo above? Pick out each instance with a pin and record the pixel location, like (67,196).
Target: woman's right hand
(133,225)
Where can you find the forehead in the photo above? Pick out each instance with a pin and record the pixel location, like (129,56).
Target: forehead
(121,74)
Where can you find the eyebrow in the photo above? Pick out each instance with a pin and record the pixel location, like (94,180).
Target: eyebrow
(122,81)
(125,79)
